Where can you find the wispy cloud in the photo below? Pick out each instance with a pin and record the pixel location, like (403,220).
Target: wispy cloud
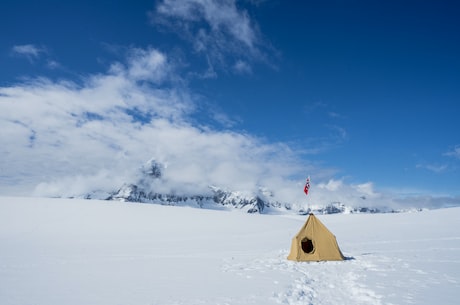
(337,133)
(455,152)
(217,29)
(448,165)
(36,54)
(335,115)
(436,168)
(53,65)
(242,67)
(311,107)
(30,51)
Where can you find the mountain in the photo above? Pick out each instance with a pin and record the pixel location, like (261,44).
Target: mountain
(151,177)
(216,199)
(152,173)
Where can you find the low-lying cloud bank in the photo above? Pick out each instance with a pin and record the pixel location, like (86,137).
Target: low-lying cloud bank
(62,138)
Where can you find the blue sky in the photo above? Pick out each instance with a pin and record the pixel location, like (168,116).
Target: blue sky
(360,93)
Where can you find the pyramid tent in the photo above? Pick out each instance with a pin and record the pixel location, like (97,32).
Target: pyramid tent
(314,242)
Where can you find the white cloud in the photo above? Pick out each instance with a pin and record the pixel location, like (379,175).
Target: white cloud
(67,139)
(331,185)
(148,64)
(63,138)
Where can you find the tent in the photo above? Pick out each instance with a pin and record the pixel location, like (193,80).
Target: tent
(314,242)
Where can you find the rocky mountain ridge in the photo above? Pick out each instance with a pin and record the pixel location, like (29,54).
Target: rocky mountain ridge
(142,191)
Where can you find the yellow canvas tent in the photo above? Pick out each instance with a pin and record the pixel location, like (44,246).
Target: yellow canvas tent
(314,242)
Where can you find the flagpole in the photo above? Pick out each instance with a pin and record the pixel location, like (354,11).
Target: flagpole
(306,188)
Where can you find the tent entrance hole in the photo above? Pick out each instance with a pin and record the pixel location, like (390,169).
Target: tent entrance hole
(307,245)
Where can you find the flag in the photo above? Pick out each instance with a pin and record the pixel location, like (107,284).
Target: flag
(307,186)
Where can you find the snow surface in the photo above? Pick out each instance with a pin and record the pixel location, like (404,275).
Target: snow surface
(64,251)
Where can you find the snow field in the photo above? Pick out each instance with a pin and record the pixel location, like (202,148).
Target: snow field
(60,251)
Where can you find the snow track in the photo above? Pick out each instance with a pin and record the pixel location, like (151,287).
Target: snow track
(329,283)
(314,282)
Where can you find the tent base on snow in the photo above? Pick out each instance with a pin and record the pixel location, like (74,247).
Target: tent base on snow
(314,242)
